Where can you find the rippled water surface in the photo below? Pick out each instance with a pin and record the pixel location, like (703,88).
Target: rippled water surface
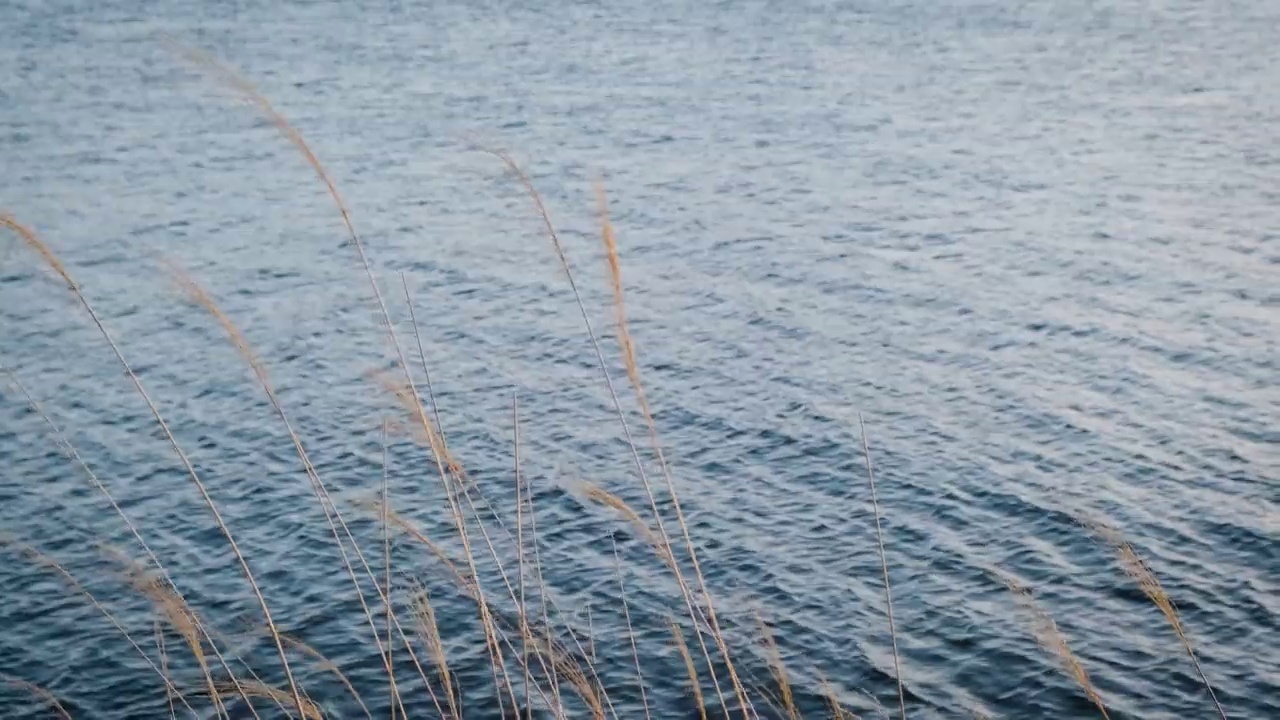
(1034,244)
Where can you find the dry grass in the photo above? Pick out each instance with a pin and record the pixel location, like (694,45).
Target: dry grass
(536,643)
(1053,641)
(72,452)
(253,688)
(525,637)
(471,589)
(437,441)
(1133,565)
(539,641)
(884,565)
(392,690)
(329,666)
(183,622)
(247,91)
(694,686)
(838,711)
(429,632)
(629,359)
(333,516)
(39,692)
(599,495)
(631,631)
(164,664)
(543,596)
(47,562)
(554,237)
(29,237)
(778,669)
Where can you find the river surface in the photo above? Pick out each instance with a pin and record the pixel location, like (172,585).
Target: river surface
(1036,245)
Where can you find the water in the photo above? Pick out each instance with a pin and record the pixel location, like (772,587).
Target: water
(1034,245)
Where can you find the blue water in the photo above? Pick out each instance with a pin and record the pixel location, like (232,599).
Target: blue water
(1035,245)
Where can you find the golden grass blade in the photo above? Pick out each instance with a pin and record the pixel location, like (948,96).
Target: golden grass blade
(599,495)
(429,631)
(393,692)
(884,566)
(164,665)
(564,263)
(1052,640)
(569,669)
(778,669)
(591,634)
(333,516)
(392,519)
(471,589)
(524,620)
(1135,567)
(599,690)
(542,596)
(631,633)
(28,236)
(309,710)
(61,439)
(39,692)
(572,672)
(693,672)
(562,663)
(407,527)
(247,91)
(422,356)
(45,561)
(183,621)
(450,473)
(324,663)
(172,606)
(439,446)
(838,712)
(627,345)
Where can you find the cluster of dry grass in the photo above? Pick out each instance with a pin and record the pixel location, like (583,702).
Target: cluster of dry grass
(537,658)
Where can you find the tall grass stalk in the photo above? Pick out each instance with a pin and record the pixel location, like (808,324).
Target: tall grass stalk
(32,240)
(324,663)
(884,566)
(694,685)
(631,631)
(524,620)
(74,583)
(392,691)
(309,711)
(554,237)
(248,92)
(39,692)
(439,444)
(183,622)
(633,373)
(542,590)
(1135,567)
(1051,639)
(429,632)
(164,665)
(333,516)
(838,712)
(70,449)
(779,669)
